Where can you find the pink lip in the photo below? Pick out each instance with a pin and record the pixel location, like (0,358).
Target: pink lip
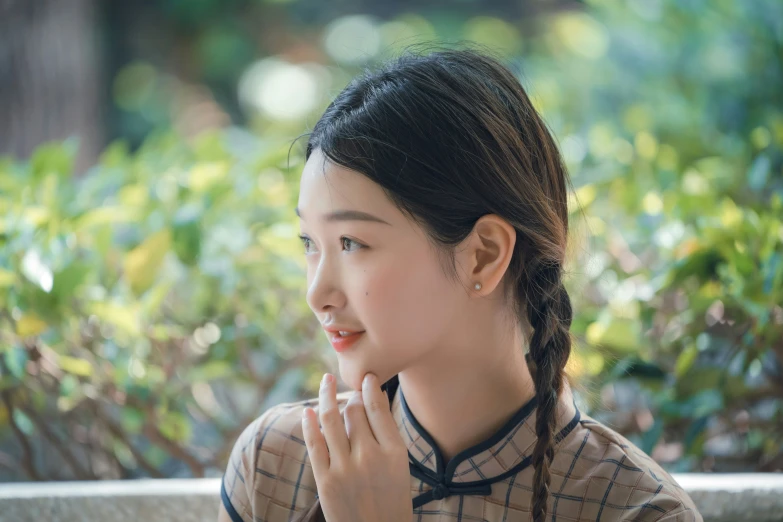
(342,343)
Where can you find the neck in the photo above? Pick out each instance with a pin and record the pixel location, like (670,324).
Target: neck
(463,394)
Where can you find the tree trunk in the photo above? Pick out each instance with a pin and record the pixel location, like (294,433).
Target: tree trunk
(51,87)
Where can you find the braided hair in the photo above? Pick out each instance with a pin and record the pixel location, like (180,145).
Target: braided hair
(549,314)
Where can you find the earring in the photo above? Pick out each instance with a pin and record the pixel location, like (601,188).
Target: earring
(477,286)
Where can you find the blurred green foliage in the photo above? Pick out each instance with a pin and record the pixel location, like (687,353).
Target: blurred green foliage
(167,282)
(131,294)
(673,133)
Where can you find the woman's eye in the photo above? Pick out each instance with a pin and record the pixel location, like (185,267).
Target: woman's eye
(306,241)
(348,241)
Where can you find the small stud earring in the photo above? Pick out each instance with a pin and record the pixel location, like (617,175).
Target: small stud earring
(477,286)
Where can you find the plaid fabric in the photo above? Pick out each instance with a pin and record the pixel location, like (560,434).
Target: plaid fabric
(596,475)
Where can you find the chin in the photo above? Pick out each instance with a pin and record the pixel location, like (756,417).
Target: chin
(352,374)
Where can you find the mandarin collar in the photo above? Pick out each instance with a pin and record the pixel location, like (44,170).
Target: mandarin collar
(471,472)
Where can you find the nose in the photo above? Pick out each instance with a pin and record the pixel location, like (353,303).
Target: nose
(324,293)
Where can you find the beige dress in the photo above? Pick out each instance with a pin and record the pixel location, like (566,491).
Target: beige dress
(596,475)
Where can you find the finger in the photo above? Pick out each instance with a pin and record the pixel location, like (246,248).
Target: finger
(356,423)
(317,410)
(315,442)
(332,420)
(376,405)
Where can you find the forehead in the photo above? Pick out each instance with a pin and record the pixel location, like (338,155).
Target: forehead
(326,186)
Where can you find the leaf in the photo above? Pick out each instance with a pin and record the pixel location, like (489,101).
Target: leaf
(15,361)
(69,386)
(209,147)
(187,242)
(651,437)
(706,402)
(115,154)
(29,325)
(143,393)
(164,332)
(143,262)
(759,172)
(123,454)
(54,158)
(24,422)
(731,214)
(75,366)
(7,278)
(616,332)
(132,419)
(175,426)
(66,281)
(36,215)
(136,195)
(773,269)
(209,371)
(699,378)
(696,428)
(108,214)
(685,360)
(703,264)
(124,317)
(5,384)
(205,175)
(153,299)
(156,456)
(635,367)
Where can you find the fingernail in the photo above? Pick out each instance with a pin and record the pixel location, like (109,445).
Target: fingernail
(367,379)
(327,378)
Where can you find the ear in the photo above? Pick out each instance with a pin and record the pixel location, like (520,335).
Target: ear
(486,253)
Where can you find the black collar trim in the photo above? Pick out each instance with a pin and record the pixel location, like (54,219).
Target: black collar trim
(441,483)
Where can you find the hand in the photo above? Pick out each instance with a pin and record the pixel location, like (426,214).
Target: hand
(359,460)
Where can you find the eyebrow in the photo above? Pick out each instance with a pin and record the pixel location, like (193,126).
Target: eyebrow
(349,215)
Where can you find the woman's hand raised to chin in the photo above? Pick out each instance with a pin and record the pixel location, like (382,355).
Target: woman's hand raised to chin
(359,460)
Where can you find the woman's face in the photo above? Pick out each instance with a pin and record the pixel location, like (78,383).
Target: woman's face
(371,269)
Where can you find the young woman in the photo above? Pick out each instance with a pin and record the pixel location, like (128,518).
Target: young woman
(433,211)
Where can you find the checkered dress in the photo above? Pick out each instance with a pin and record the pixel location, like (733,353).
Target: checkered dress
(596,475)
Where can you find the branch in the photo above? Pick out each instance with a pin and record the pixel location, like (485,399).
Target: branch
(176,451)
(117,432)
(78,470)
(27,452)
(8,462)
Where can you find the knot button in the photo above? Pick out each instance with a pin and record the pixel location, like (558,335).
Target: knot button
(440,491)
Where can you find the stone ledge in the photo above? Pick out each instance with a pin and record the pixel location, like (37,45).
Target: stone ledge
(720,497)
(729,497)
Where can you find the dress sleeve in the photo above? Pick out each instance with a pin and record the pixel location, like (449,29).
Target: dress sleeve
(237,490)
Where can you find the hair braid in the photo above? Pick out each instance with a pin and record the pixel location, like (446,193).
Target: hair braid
(549,313)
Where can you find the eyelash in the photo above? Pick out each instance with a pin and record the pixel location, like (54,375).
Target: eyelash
(305,239)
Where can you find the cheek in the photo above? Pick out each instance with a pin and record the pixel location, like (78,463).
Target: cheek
(407,304)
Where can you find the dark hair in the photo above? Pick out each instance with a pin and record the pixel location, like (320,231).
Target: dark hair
(451,135)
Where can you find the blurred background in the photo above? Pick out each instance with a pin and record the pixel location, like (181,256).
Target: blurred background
(152,284)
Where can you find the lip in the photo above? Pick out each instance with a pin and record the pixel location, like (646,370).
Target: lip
(340,343)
